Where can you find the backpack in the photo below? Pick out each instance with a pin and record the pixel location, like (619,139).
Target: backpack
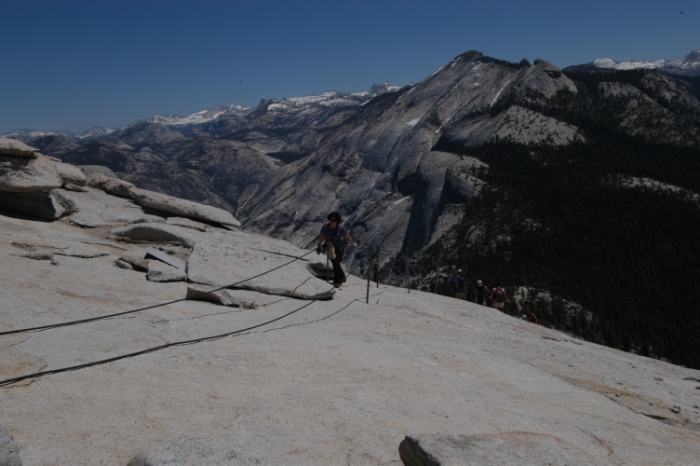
(499,295)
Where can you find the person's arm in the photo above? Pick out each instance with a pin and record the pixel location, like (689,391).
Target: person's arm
(350,240)
(320,240)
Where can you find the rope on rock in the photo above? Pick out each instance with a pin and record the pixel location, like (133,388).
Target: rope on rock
(36,375)
(109,316)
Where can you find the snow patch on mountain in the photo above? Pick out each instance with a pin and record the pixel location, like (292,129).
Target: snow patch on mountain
(687,65)
(203,116)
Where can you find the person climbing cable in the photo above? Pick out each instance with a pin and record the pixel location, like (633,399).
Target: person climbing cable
(458,285)
(481,290)
(333,233)
(499,298)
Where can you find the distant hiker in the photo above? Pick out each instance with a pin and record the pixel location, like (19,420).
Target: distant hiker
(499,298)
(333,233)
(531,317)
(481,290)
(375,274)
(458,284)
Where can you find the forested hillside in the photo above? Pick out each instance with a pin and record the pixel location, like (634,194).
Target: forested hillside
(559,218)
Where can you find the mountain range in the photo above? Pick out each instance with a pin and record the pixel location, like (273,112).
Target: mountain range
(520,173)
(688,65)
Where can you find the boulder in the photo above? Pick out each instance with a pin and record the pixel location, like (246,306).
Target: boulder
(211,294)
(70,173)
(9,453)
(123,265)
(155,233)
(186,222)
(110,185)
(17,148)
(74,187)
(39,204)
(95,208)
(165,257)
(507,448)
(161,272)
(225,263)
(196,451)
(101,169)
(22,175)
(137,258)
(184,208)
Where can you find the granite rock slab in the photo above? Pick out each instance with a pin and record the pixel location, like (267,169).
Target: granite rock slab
(38,204)
(17,148)
(22,175)
(156,233)
(161,272)
(95,208)
(90,169)
(211,294)
(70,174)
(182,207)
(110,185)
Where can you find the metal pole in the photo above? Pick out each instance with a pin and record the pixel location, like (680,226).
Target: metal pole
(408,285)
(436,276)
(369,273)
(377,265)
(327,271)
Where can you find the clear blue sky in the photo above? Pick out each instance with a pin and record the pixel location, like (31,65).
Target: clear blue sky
(73,64)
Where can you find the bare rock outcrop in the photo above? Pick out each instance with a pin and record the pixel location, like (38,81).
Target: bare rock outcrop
(183,208)
(101,169)
(23,174)
(70,174)
(161,272)
(16,148)
(156,233)
(95,208)
(110,185)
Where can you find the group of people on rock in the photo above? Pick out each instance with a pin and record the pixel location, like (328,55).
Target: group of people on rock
(498,294)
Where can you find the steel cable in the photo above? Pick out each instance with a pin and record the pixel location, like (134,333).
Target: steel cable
(109,316)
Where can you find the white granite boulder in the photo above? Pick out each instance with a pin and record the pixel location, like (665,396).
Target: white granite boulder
(156,233)
(95,208)
(161,272)
(90,169)
(183,208)
(17,148)
(22,174)
(70,174)
(109,185)
(211,294)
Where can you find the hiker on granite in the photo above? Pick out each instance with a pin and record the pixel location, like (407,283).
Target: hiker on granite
(530,316)
(333,234)
(458,285)
(481,291)
(499,298)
